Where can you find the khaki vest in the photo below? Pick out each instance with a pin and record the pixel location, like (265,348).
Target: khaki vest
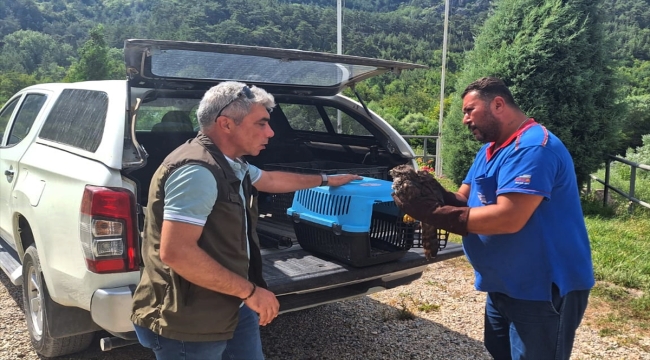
(165,302)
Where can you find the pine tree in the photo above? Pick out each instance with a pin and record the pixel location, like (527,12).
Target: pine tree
(552,55)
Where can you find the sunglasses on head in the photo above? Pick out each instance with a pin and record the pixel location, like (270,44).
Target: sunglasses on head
(245,91)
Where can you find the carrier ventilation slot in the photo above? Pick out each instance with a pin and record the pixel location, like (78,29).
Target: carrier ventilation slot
(324,204)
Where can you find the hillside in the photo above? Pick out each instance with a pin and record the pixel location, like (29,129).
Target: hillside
(41,39)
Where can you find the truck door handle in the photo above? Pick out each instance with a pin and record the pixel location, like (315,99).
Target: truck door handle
(9,173)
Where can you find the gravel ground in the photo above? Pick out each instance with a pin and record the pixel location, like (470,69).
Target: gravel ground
(446,324)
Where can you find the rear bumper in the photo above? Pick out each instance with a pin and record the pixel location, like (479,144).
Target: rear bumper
(111,309)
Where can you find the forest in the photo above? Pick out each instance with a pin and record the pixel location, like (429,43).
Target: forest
(72,40)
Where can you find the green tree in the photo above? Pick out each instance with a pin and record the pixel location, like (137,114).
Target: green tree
(29,51)
(418,124)
(96,60)
(627,23)
(635,80)
(551,55)
(641,154)
(11,82)
(636,123)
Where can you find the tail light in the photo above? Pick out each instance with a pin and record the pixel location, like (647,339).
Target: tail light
(109,230)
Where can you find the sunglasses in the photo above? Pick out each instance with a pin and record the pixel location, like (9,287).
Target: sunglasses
(245,91)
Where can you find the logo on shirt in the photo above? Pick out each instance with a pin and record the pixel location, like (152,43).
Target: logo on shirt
(482,198)
(522,180)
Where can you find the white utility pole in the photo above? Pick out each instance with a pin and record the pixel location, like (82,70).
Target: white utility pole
(339,50)
(442,92)
(339,20)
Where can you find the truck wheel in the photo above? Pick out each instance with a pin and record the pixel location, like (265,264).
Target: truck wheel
(34,298)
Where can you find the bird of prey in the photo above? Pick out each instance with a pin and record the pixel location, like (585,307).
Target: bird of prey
(408,185)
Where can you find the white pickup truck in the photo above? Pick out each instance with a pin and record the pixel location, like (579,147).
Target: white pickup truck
(76,160)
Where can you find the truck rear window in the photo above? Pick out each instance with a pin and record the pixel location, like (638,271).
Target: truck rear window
(77,119)
(188,64)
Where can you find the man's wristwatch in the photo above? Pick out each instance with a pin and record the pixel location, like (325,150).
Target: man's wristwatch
(323,180)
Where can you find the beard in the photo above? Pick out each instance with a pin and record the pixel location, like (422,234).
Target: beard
(488,131)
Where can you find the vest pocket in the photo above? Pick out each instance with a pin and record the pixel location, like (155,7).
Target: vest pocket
(236,199)
(207,312)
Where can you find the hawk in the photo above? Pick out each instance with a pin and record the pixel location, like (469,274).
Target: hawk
(408,185)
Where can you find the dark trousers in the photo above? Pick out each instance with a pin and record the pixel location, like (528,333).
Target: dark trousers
(531,330)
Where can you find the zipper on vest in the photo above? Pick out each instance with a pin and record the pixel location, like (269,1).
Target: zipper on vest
(243,235)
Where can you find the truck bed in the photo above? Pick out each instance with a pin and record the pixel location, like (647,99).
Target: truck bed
(301,279)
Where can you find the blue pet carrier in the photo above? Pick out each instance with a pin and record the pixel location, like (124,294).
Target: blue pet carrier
(357,223)
(276,204)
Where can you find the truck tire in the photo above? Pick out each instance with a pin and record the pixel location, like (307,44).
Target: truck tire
(34,297)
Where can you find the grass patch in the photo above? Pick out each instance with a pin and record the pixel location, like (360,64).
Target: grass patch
(641,309)
(428,307)
(620,244)
(407,304)
(619,205)
(608,332)
(610,293)
(403,312)
(592,205)
(621,250)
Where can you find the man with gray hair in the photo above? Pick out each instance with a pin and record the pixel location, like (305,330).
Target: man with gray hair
(202,295)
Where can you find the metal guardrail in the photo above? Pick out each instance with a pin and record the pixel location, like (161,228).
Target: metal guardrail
(425,156)
(630,195)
